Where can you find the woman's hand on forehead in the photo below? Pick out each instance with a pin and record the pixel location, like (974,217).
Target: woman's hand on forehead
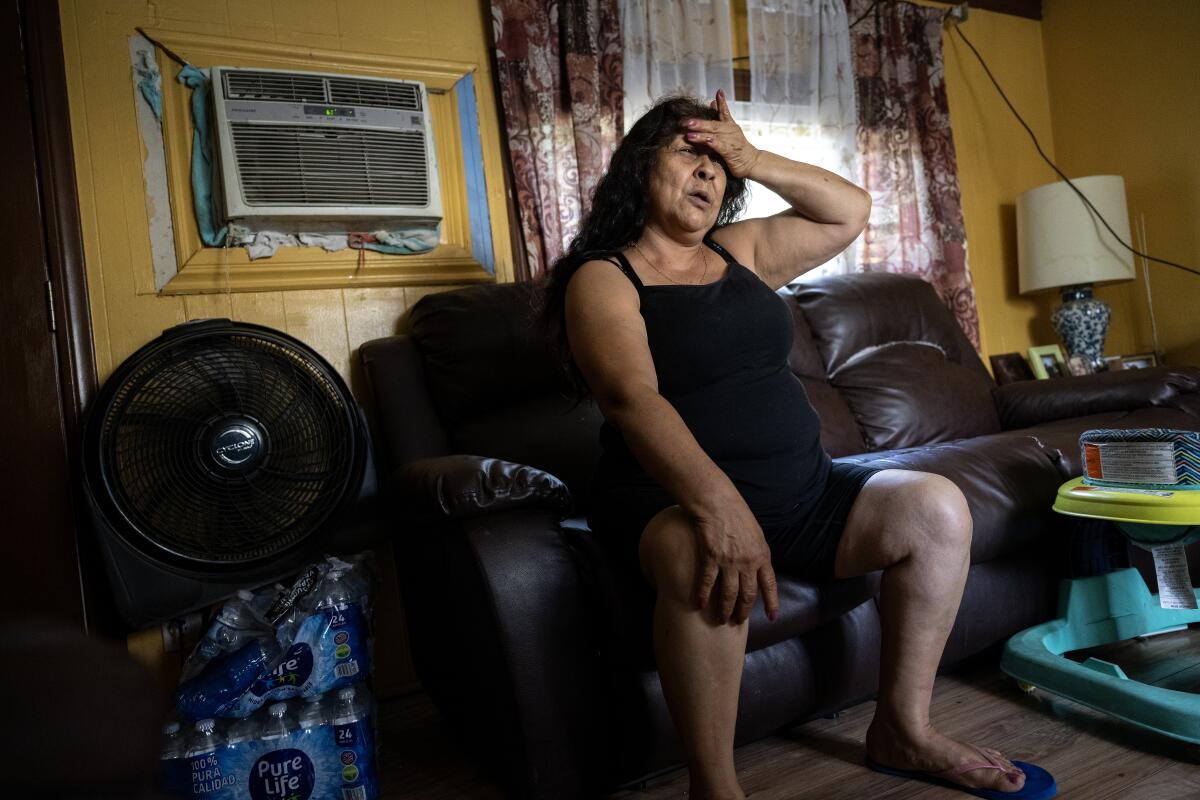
(724,137)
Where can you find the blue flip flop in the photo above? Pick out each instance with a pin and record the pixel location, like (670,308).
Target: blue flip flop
(1039,784)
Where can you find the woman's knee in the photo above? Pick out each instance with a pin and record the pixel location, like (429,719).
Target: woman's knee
(668,552)
(943,511)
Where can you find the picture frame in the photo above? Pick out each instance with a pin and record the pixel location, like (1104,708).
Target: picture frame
(1010,368)
(1078,365)
(1048,361)
(1139,361)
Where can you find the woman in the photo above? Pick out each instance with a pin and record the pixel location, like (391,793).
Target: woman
(712,472)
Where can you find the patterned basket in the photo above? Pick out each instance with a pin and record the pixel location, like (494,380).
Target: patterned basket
(1141,458)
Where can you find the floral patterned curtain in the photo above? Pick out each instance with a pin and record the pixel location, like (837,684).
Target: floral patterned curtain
(559,70)
(907,152)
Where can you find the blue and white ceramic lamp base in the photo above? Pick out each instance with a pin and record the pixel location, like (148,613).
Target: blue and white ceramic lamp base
(1082,323)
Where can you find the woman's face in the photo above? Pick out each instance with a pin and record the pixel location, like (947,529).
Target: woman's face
(687,185)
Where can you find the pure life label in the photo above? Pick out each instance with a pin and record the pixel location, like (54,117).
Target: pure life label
(282,775)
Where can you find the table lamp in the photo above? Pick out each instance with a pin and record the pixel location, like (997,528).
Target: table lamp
(1061,244)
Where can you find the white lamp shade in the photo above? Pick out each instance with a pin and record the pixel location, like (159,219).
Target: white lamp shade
(1060,242)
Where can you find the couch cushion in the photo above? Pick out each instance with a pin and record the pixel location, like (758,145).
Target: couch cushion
(850,313)
(839,432)
(909,393)
(1009,479)
(481,348)
(495,386)
(805,606)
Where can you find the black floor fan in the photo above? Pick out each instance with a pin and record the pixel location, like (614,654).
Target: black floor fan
(221,455)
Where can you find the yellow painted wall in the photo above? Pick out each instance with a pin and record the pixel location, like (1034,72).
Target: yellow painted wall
(108,158)
(996,162)
(1124,85)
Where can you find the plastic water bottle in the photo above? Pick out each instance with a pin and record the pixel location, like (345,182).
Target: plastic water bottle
(224,679)
(343,639)
(242,730)
(335,593)
(279,724)
(211,776)
(315,737)
(282,769)
(236,624)
(242,746)
(312,713)
(354,737)
(173,764)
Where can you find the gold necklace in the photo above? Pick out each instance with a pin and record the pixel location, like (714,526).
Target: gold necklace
(699,251)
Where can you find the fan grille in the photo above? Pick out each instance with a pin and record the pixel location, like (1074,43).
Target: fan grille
(156,453)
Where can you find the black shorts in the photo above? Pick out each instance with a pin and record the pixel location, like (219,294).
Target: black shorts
(803,545)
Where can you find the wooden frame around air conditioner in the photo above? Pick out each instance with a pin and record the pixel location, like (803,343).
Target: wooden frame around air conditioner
(203,269)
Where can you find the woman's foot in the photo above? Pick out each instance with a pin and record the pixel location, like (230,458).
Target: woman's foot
(931,752)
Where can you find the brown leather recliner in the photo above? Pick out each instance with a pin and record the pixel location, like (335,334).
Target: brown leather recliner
(539,650)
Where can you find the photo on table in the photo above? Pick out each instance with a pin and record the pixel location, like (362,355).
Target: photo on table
(1139,361)
(1010,368)
(1048,361)
(1078,365)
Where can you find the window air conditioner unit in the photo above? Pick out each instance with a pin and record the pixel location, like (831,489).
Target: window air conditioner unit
(317,153)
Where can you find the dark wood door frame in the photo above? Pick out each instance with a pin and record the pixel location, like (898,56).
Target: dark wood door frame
(48,118)
(60,207)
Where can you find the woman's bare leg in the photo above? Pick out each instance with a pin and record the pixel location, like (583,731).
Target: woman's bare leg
(916,527)
(699,658)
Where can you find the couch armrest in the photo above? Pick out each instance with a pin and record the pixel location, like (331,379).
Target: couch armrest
(1027,403)
(551,696)
(462,486)
(503,633)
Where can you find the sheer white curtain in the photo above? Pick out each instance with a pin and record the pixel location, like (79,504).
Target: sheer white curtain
(802,96)
(674,47)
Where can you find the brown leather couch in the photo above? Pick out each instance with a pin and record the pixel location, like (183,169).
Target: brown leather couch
(539,651)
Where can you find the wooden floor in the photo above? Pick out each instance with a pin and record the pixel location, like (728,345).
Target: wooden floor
(1093,757)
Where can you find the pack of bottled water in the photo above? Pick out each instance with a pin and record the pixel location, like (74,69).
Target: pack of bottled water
(320,747)
(282,642)
(273,703)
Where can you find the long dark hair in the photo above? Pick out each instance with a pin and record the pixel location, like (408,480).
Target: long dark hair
(618,215)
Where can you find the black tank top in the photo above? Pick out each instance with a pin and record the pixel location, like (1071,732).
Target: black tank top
(720,351)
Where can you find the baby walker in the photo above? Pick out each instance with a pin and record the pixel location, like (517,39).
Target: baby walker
(1147,482)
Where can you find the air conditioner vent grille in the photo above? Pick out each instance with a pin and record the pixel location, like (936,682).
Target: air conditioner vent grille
(277,86)
(299,165)
(283,87)
(377,94)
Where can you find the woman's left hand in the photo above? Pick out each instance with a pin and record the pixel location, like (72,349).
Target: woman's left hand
(725,137)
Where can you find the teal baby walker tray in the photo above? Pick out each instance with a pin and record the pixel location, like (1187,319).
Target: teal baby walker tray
(1148,483)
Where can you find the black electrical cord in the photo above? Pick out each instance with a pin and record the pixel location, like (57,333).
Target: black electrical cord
(963,36)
